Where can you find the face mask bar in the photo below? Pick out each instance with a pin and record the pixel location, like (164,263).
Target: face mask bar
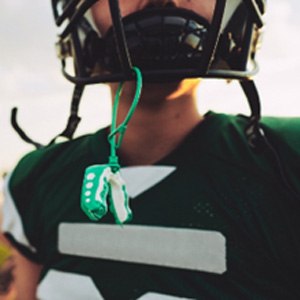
(62,9)
(120,39)
(256,11)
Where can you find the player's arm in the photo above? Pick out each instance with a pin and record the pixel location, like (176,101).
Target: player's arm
(26,276)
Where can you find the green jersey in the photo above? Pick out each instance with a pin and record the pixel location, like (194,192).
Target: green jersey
(211,220)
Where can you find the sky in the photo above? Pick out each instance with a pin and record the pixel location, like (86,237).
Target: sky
(30,77)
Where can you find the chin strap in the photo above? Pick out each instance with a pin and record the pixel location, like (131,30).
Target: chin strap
(20,131)
(256,136)
(73,119)
(67,133)
(253,131)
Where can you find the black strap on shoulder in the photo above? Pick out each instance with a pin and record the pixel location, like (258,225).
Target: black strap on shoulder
(71,126)
(257,138)
(253,131)
(73,119)
(20,131)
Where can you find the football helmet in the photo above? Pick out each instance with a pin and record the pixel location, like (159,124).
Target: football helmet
(164,41)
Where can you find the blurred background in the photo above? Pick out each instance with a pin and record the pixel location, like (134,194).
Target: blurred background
(30,77)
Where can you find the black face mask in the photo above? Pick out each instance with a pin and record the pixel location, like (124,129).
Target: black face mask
(158,38)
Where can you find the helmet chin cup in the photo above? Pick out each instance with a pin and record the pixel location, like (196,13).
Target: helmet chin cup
(159,39)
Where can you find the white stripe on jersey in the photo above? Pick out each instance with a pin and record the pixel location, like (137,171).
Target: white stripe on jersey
(191,249)
(142,178)
(58,285)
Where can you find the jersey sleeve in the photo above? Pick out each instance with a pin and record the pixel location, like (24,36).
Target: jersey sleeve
(12,224)
(20,222)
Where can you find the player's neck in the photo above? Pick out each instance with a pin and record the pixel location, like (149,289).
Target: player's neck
(157,127)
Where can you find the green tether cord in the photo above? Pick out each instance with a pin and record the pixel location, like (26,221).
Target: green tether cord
(103,182)
(121,129)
